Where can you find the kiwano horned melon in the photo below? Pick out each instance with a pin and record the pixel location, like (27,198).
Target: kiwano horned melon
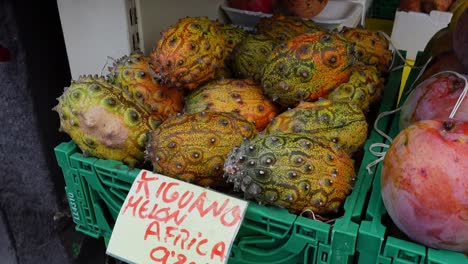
(282,28)
(250,56)
(292,171)
(133,74)
(189,52)
(232,36)
(371,47)
(340,123)
(104,122)
(365,87)
(241,96)
(193,147)
(307,67)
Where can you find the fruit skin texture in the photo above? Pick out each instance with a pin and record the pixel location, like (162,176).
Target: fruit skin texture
(244,97)
(103,121)
(341,124)
(292,171)
(371,47)
(434,99)
(193,147)
(305,8)
(250,56)
(132,73)
(232,35)
(424,183)
(307,67)
(282,28)
(189,52)
(365,87)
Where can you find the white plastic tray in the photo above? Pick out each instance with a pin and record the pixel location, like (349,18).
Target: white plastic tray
(336,14)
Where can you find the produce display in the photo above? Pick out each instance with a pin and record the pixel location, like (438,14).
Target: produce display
(275,115)
(279,116)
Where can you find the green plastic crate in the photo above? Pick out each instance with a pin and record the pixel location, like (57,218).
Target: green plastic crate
(377,240)
(97,188)
(383,9)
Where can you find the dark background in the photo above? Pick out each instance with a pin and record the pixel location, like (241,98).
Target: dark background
(35,226)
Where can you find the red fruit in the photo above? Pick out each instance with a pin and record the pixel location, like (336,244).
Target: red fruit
(305,8)
(425,183)
(434,99)
(264,6)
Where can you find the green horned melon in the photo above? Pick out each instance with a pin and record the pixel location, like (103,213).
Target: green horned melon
(193,147)
(250,56)
(232,36)
(307,67)
(371,47)
(189,52)
(282,28)
(103,121)
(241,96)
(364,88)
(293,171)
(132,74)
(340,123)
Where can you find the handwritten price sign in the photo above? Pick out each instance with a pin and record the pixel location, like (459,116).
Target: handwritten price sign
(167,221)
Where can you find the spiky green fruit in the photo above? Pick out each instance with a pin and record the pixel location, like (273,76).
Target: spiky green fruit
(244,97)
(189,52)
(371,47)
(232,36)
(364,88)
(282,28)
(250,56)
(307,67)
(293,171)
(132,74)
(193,147)
(103,121)
(340,123)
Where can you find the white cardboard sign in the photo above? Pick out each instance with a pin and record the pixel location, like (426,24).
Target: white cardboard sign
(164,220)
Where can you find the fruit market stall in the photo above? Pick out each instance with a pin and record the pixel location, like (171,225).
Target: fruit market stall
(277,104)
